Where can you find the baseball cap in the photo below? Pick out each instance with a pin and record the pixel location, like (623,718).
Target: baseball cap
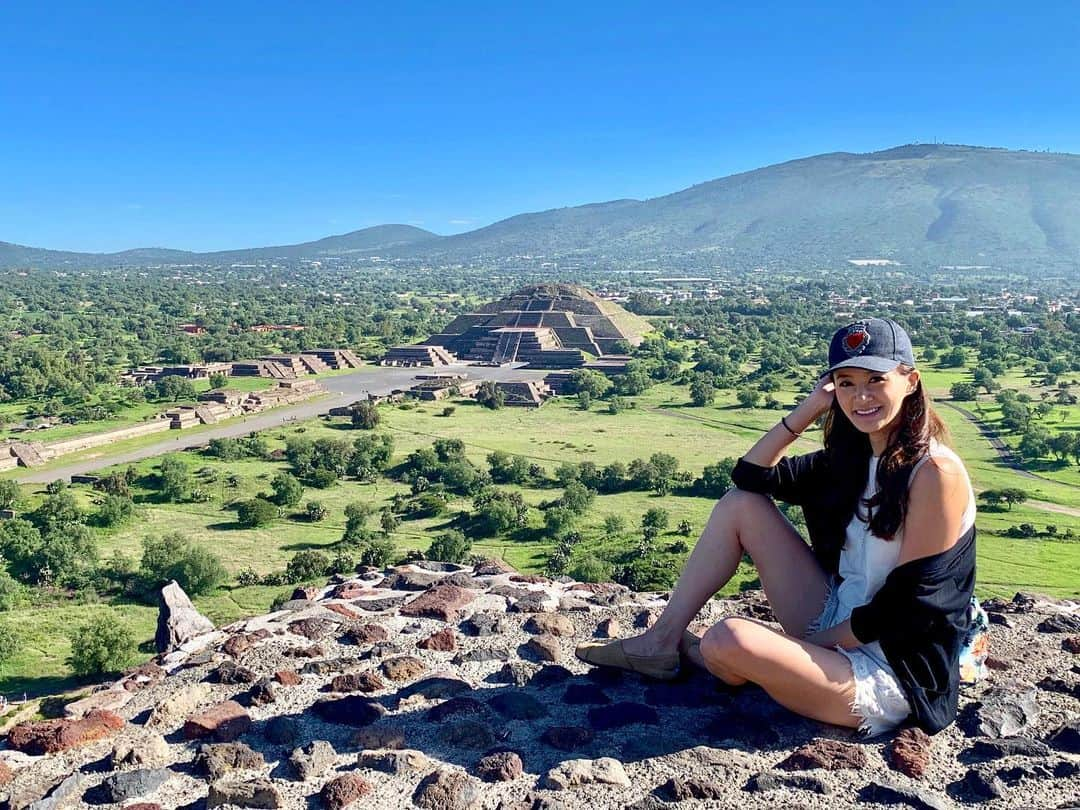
(875,344)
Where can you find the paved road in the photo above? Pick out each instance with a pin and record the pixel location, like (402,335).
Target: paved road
(343,389)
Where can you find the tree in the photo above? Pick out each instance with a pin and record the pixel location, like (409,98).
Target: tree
(490,395)
(577,497)
(101,646)
(702,391)
(558,520)
(1012,495)
(365,415)
(174,479)
(1035,442)
(451,546)
(114,510)
(255,512)
(10,494)
(592,382)
(218,380)
(614,525)
(287,490)
(715,478)
(993,498)
(315,511)
(963,392)
(306,565)
(984,378)
(174,389)
(954,358)
(656,519)
(584,400)
(388,521)
(174,556)
(68,557)
(748,397)
(57,511)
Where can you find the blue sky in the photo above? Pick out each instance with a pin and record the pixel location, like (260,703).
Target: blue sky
(233,124)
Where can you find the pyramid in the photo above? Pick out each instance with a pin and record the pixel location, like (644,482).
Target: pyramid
(544,326)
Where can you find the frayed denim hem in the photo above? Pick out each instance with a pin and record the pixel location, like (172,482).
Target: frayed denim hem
(879,700)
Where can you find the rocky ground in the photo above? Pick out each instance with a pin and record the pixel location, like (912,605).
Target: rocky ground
(446,687)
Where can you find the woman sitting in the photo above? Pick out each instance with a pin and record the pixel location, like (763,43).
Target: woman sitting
(875,610)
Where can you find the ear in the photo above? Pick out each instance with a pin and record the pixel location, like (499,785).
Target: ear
(912,381)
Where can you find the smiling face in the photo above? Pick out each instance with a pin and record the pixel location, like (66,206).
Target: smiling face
(872,400)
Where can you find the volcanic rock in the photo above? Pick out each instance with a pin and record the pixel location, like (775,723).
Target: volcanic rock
(216,760)
(909,752)
(828,754)
(444,602)
(132,784)
(261,793)
(443,641)
(395,761)
(313,759)
(222,723)
(447,790)
(342,791)
(50,736)
(605,771)
(178,621)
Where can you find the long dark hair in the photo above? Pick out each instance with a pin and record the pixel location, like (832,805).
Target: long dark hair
(848,450)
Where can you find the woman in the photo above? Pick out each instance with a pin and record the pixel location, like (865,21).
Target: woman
(875,610)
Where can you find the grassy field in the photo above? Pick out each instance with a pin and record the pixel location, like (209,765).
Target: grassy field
(556,433)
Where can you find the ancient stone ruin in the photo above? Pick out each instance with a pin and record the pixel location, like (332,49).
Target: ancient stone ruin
(449,687)
(545,326)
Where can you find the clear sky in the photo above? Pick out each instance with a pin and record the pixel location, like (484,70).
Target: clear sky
(207,125)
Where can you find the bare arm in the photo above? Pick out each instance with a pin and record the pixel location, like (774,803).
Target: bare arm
(770,448)
(839,636)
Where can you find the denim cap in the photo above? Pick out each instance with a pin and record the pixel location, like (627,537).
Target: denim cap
(874,344)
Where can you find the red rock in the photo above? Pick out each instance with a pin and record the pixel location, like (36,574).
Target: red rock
(828,754)
(909,752)
(402,668)
(311,628)
(6,774)
(598,588)
(552,623)
(531,579)
(443,641)
(502,766)
(237,645)
(288,677)
(314,651)
(441,602)
(351,590)
(341,610)
(367,633)
(307,592)
(997,664)
(567,738)
(223,723)
(492,566)
(341,791)
(357,682)
(1071,644)
(50,736)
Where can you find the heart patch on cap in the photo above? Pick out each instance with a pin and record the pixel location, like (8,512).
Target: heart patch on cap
(856,340)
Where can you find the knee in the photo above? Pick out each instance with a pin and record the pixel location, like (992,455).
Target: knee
(727,642)
(736,504)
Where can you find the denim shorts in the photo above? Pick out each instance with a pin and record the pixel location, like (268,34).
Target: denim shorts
(879,698)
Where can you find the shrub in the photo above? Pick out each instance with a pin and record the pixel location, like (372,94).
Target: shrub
(448,410)
(685,528)
(247,577)
(306,565)
(315,511)
(174,479)
(647,574)
(287,490)
(9,494)
(451,546)
(100,646)
(173,556)
(591,569)
(255,512)
(10,591)
(377,552)
(322,478)
(115,510)
(365,415)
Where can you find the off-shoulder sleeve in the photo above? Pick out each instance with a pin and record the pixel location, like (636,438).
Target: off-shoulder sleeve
(792,479)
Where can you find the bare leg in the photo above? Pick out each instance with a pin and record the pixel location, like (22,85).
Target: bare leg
(740,522)
(814,681)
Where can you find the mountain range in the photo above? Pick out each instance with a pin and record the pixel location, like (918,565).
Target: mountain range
(920,205)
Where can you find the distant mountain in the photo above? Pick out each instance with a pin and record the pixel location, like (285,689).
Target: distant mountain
(924,205)
(919,205)
(365,242)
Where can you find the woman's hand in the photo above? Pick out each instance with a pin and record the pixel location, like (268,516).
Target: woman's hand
(819,400)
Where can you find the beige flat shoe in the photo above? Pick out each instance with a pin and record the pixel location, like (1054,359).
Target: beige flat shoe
(690,647)
(612,654)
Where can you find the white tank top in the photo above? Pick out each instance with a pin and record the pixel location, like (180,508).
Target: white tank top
(866,559)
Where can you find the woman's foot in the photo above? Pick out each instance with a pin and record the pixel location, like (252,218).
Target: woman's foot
(633,655)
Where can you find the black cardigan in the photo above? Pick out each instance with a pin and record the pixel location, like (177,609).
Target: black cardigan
(920,614)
